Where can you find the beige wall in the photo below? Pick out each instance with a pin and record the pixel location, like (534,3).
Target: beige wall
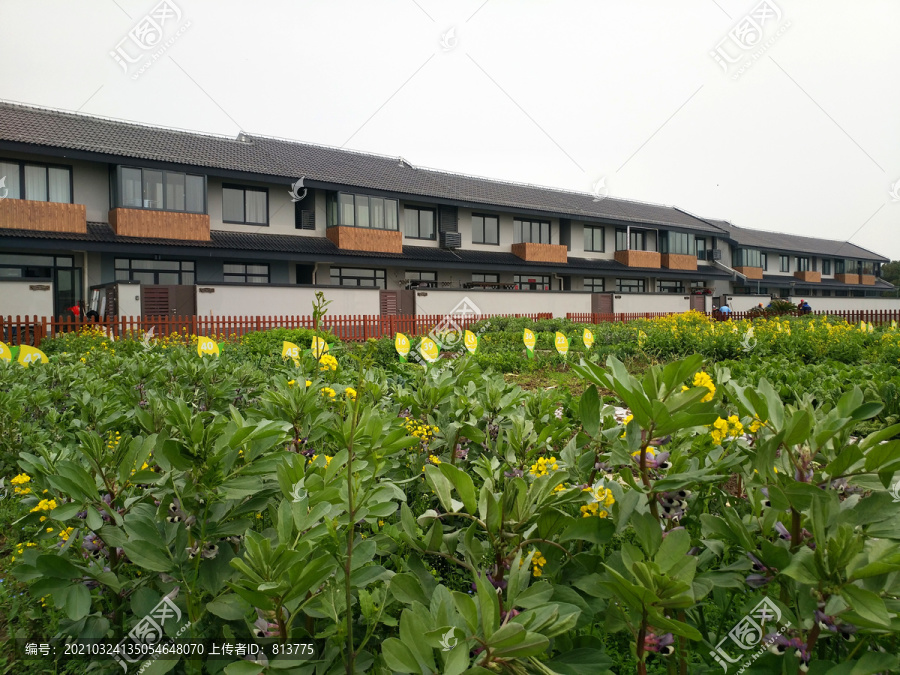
(283,300)
(17,298)
(431,301)
(744,303)
(651,302)
(282,219)
(820,304)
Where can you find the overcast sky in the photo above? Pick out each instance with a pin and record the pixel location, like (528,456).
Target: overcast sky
(641,95)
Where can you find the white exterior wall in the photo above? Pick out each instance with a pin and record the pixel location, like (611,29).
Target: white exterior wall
(17,298)
(282,219)
(744,303)
(255,300)
(431,301)
(129,299)
(820,304)
(651,302)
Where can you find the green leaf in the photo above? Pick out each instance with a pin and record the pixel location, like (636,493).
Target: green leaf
(407,589)
(590,410)
(57,567)
(145,555)
(595,530)
(465,488)
(399,657)
(78,602)
(230,607)
(674,547)
(440,485)
(243,668)
(66,511)
(865,603)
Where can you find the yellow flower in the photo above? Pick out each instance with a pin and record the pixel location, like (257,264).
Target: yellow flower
(309,383)
(756,424)
(291,383)
(350,393)
(45,505)
(327,391)
(66,533)
(702,379)
(328,362)
(21,479)
(380,523)
(543,466)
(625,424)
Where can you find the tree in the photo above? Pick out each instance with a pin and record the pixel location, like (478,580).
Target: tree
(890,272)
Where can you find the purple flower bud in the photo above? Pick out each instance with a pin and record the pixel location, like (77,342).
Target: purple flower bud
(782,531)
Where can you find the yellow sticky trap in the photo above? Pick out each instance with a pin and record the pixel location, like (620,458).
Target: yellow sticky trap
(587,338)
(318,347)
(562,343)
(471,341)
(529,339)
(428,349)
(29,355)
(5,353)
(207,346)
(290,351)
(401,344)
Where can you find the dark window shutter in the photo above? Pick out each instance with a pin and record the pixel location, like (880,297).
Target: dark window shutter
(389,303)
(448,219)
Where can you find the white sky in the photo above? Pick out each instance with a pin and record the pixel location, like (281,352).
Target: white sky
(560,93)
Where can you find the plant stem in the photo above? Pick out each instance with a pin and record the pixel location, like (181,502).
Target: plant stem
(642,634)
(351,534)
(795,529)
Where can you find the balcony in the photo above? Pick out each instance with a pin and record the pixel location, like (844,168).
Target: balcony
(809,276)
(549,253)
(634,258)
(867,279)
(159,224)
(24,214)
(847,278)
(365,239)
(750,272)
(678,261)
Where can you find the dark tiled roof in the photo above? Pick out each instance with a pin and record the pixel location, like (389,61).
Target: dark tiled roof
(102,237)
(795,243)
(290,159)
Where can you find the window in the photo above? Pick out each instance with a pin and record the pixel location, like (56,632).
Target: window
(486,278)
(531,231)
(630,285)
(669,287)
(161,190)
(700,244)
(361,211)
(37,182)
(247,273)
(826,293)
(156,272)
(595,284)
(30,266)
(638,240)
(532,283)
(594,238)
(746,257)
(416,279)
(802,264)
(352,276)
(826,265)
(785,263)
(764,261)
(485,229)
(419,222)
(678,243)
(868,267)
(245,205)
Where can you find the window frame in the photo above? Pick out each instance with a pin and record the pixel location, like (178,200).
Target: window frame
(670,240)
(590,283)
(131,270)
(784,263)
(698,242)
(245,189)
(826,266)
(642,283)
(495,280)
(334,210)
(484,217)
(46,166)
(414,278)
(764,261)
(165,172)
(803,263)
(637,236)
(519,231)
(245,274)
(672,286)
(379,274)
(419,210)
(523,283)
(593,229)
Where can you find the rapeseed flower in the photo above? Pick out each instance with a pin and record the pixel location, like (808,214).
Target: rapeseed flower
(543,466)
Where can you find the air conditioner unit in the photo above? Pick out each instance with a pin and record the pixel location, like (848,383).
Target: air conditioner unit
(451,240)
(714,254)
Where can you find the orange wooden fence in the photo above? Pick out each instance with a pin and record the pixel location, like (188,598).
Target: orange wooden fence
(355,328)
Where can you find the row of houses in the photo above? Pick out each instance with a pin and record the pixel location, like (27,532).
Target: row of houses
(134,219)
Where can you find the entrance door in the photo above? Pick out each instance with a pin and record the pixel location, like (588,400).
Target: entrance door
(66,289)
(698,303)
(602,303)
